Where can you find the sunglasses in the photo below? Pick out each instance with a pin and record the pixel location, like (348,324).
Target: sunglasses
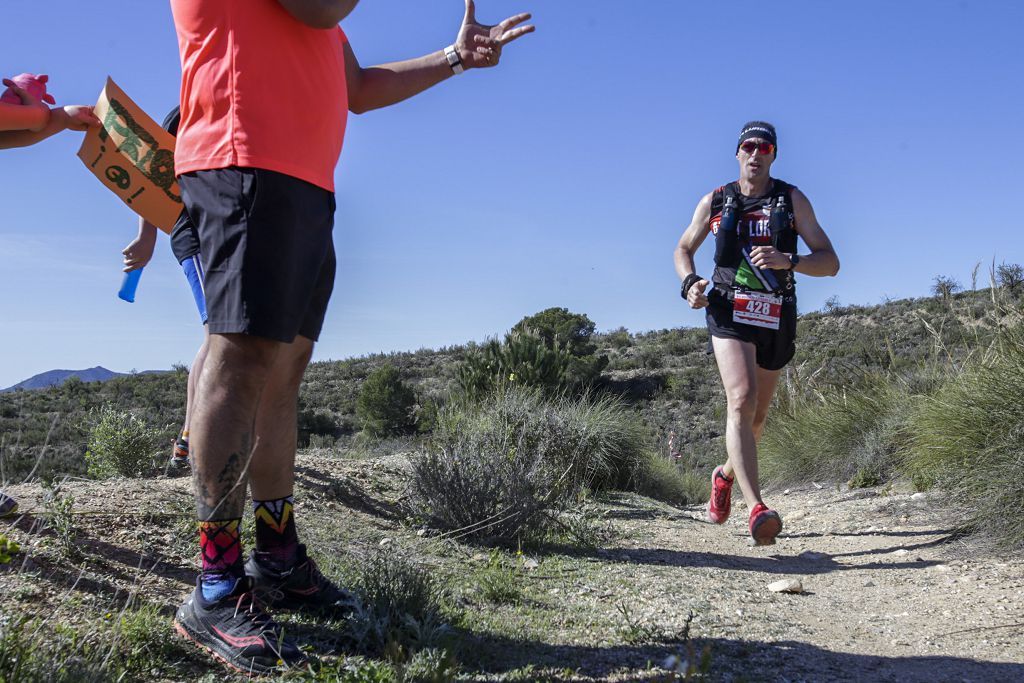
(765,148)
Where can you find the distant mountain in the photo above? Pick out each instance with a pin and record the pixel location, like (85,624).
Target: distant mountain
(54,378)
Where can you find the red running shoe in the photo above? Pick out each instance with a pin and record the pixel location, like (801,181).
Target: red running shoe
(765,524)
(721,496)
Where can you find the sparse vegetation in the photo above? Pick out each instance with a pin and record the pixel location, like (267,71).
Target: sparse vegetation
(493,468)
(914,387)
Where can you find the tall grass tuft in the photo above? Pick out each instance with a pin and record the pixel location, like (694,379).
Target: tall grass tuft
(849,434)
(969,441)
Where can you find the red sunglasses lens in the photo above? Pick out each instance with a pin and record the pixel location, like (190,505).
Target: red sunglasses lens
(764,148)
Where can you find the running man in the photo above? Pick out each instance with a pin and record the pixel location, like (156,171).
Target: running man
(266,87)
(751,306)
(185,246)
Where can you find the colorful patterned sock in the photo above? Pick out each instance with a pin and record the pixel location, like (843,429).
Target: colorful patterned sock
(221,548)
(277,542)
(181,445)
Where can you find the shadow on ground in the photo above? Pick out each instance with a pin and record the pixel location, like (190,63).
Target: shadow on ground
(731,660)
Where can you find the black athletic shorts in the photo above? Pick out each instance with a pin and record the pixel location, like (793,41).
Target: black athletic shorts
(775,348)
(267,250)
(184,238)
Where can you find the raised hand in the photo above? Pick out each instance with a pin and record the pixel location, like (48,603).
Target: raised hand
(479,45)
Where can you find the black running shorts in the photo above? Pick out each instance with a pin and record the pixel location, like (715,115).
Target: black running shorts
(775,348)
(267,250)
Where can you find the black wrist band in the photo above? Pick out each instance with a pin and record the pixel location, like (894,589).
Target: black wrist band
(688,282)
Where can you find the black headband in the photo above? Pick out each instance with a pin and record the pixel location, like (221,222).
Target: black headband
(758,129)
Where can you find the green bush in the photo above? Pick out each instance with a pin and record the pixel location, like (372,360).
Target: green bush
(120,443)
(969,441)
(521,360)
(491,469)
(385,403)
(573,333)
(552,351)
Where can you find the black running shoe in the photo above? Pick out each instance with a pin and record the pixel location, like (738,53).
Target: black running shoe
(8,506)
(302,587)
(237,631)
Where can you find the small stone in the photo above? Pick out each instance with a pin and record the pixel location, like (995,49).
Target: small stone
(786,492)
(812,556)
(478,557)
(385,542)
(901,552)
(920,495)
(530,563)
(786,586)
(739,613)
(421,533)
(796,515)
(869,584)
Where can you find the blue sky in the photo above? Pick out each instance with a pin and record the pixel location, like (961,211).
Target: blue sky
(561,178)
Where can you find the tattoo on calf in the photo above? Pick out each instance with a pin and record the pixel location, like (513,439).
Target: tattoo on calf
(226,498)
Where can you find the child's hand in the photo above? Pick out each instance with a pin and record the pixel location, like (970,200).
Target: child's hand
(137,255)
(80,117)
(28,100)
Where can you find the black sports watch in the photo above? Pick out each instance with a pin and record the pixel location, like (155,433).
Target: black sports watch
(793,260)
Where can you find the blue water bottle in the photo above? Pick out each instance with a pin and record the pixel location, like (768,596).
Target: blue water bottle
(129,285)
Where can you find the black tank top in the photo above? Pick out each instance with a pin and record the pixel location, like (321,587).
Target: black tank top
(753,225)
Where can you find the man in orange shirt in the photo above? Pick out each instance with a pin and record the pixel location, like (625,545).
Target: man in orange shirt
(266,87)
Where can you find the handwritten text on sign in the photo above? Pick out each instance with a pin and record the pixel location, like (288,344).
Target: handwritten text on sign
(134,157)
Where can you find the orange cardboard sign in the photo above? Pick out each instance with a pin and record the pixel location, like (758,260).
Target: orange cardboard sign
(133,157)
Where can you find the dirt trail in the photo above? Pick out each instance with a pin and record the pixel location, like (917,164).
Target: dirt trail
(886,595)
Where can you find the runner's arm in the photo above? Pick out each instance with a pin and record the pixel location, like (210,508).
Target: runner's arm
(822,261)
(688,244)
(692,238)
(319,13)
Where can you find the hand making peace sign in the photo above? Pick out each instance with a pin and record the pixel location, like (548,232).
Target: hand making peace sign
(479,45)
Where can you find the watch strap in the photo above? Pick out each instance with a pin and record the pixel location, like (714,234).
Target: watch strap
(454,61)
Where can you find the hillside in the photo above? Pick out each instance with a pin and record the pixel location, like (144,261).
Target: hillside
(54,378)
(612,585)
(665,375)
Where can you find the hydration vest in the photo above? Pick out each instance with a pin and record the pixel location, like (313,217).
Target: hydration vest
(732,249)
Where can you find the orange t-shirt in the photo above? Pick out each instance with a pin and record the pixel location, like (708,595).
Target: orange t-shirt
(259,89)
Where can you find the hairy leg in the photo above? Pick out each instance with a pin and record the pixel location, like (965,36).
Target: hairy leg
(738,369)
(193,376)
(272,474)
(235,372)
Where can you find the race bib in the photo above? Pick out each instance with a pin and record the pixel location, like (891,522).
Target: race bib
(755,308)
